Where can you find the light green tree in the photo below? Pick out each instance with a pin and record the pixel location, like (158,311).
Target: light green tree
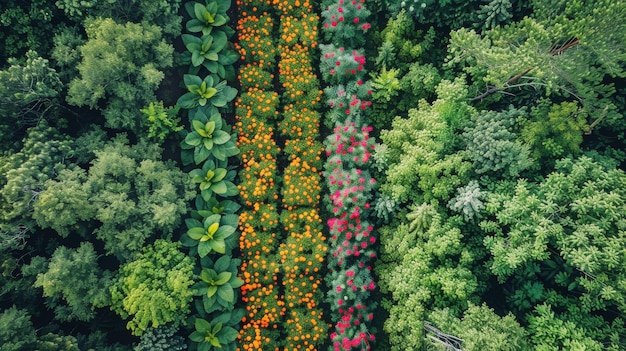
(480,328)
(154,288)
(122,67)
(23,174)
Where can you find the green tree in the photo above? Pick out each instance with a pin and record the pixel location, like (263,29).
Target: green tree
(566,50)
(23,174)
(416,156)
(121,66)
(161,338)
(28,91)
(128,197)
(26,25)
(565,234)
(16,330)
(161,13)
(480,329)
(154,288)
(74,284)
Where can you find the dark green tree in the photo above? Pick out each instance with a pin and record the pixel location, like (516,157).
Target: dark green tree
(16,330)
(128,198)
(73,283)
(29,91)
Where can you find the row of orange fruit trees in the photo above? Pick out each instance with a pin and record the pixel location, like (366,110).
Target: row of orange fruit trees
(281,240)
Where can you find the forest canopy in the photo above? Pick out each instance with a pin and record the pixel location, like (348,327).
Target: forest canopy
(342,175)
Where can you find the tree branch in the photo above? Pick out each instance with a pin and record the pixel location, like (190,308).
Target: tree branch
(496,89)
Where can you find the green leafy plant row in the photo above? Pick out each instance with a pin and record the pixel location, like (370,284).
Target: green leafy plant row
(210,146)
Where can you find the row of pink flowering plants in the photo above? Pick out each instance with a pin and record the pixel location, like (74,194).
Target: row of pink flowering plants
(209,154)
(352,241)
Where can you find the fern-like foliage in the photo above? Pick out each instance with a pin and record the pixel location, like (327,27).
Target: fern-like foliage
(493,144)
(468,201)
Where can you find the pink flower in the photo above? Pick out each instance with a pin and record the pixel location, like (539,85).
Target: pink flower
(356,20)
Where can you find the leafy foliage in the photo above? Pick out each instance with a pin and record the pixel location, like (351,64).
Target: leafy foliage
(218,281)
(23,174)
(210,137)
(210,336)
(28,91)
(154,288)
(128,196)
(162,13)
(210,234)
(493,145)
(206,17)
(210,90)
(25,26)
(161,338)
(481,329)
(121,64)
(74,283)
(16,330)
(214,178)
(162,121)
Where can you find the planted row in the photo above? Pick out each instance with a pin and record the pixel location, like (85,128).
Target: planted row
(256,113)
(304,249)
(209,152)
(352,236)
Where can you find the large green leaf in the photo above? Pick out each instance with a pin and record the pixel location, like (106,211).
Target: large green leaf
(219,41)
(222,264)
(229,93)
(220,173)
(204,248)
(192,80)
(219,187)
(196,58)
(220,137)
(196,233)
(231,189)
(223,278)
(212,289)
(192,222)
(208,143)
(218,246)
(220,20)
(197,336)
(224,232)
(194,25)
(187,101)
(228,334)
(202,325)
(211,55)
(193,139)
(192,42)
(236,283)
(228,57)
(200,154)
(199,11)
(226,293)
